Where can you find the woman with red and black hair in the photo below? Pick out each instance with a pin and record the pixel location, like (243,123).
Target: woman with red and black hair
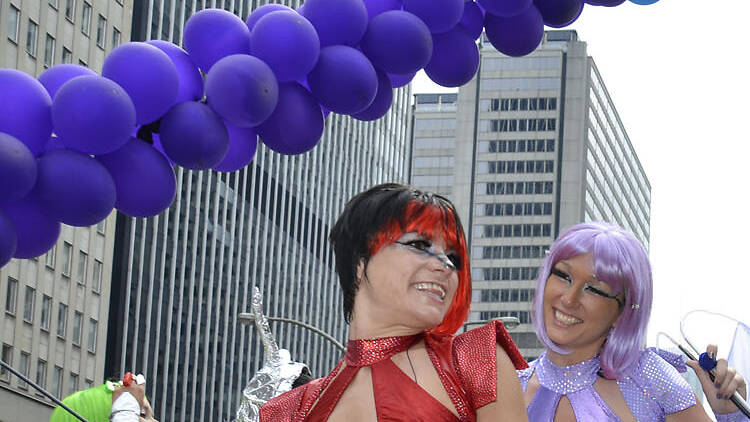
(402,261)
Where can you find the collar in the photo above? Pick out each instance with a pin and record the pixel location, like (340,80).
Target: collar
(366,352)
(567,379)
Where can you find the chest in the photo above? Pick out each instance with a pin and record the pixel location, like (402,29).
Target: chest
(604,398)
(388,392)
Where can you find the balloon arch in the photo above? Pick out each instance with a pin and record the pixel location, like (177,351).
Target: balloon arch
(74,145)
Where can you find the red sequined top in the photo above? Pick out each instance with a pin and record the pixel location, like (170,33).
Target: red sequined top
(466,365)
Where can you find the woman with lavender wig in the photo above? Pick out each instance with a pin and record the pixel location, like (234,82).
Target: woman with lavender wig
(591,309)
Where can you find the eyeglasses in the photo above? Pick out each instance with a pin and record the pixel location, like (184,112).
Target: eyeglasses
(425,248)
(588,289)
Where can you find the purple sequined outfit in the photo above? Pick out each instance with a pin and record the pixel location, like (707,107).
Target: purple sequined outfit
(652,388)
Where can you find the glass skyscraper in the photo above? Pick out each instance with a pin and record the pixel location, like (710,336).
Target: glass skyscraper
(181,278)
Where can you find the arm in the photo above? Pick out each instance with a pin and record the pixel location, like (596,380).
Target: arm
(509,405)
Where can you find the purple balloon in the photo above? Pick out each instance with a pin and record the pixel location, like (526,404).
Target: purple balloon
(343,80)
(397,42)
(193,136)
(212,34)
(264,10)
(559,13)
(296,124)
(242,90)
(158,146)
(505,8)
(376,7)
(243,143)
(74,188)
(143,178)
(287,42)
(8,239)
(93,115)
(337,21)
(438,15)
(517,35)
(455,59)
(147,75)
(605,3)
(397,81)
(17,169)
(36,232)
(25,109)
(382,102)
(54,77)
(472,20)
(190,79)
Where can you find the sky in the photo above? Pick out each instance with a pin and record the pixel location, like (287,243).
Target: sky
(677,73)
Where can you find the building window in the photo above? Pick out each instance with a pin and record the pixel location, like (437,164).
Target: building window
(46,311)
(53,3)
(72,383)
(67,56)
(31,35)
(14,21)
(49,51)
(82,63)
(62,319)
(23,368)
(93,326)
(88,383)
(7,357)
(11,297)
(28,304)
(57,380)
(41,374)
(97,276)
(101,227)
(67,259)
(86,18)
(83,260)
(115,37)
(77,322)
(70,10)
(101,31)
(50,257)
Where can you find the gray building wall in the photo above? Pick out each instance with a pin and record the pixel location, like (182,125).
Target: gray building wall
(75,275)
(528,148)
(181,278)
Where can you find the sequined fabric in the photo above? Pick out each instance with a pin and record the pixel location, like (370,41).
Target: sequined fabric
(466,365)
(652,388)
(366,352)
(732,417)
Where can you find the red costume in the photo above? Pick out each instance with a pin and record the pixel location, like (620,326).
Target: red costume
(465,363)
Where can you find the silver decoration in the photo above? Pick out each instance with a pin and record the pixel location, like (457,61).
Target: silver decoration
(277,374)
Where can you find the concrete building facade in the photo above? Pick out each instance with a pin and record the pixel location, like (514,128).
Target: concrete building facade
(529,147)
(53,323)
(181,278)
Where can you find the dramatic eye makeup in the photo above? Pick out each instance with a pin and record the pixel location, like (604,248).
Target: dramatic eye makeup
(425,246)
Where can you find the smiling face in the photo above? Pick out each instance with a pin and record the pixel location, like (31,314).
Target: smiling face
(579,310)
(408,286)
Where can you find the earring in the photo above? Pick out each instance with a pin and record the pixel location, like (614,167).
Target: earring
(635,306)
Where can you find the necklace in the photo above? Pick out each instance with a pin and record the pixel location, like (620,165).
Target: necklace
(412,366)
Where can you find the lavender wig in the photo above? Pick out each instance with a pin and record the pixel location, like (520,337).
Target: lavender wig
(620,261)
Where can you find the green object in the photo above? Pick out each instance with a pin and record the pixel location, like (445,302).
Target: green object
(93,404)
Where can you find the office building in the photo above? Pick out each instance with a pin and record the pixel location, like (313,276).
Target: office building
(529,147)
(181,278)
(55,308)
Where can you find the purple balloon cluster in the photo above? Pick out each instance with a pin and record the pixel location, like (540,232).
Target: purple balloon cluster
(74,145)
